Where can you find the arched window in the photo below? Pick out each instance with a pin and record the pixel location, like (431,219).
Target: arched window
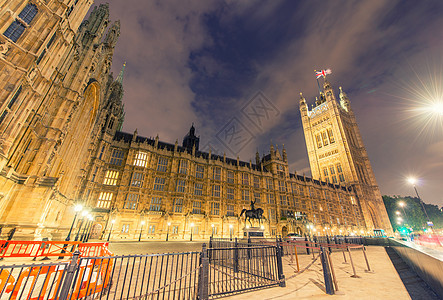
(28,13)
(16,29)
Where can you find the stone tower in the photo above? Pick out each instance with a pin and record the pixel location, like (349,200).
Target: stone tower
(55,83)
(337,154)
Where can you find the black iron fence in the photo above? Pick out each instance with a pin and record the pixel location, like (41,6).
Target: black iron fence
(225,269)
(235,267)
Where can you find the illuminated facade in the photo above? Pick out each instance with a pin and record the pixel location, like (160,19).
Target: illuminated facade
(61,143)
(337,153)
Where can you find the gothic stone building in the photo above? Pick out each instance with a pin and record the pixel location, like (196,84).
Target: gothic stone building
(61,144)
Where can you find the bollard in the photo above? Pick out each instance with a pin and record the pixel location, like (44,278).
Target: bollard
(296,258)
(203,274)
(333,271)
(366,259)
(281,276)
(326,272)
(352,264)
(307,245)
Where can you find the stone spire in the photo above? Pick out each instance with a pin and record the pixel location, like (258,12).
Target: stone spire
(120,75)
(285,156)
(344,100)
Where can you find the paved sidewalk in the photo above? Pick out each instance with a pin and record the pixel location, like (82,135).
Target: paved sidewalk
(382,283)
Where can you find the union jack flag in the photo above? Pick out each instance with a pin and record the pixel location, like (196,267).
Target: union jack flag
(323,73)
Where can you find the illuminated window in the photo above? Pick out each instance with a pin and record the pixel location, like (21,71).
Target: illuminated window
(159,184)
(331,136)
(132,201)
(216,191)
(215,208)
(111,177)
(116,157)
(245,178)
(230,210)
(257,197)
(283,200)
(230,177)
(125,228)
(270,198)
(256,182)
(151,229)
(199,171)
(175,229)
(245,195)
(281,186)
(325,172)
(137,179)
(162,165)
(104,200)
(325,138)
(353,200)
(230,193)
(180,186)
(216,173)
(318,139)
(183,167)
(156,204)
(269,184)
(198,189)
(140,159)
(178,205)
(197,207)
(271,215)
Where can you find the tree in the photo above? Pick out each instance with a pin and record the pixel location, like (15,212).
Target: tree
(413,215)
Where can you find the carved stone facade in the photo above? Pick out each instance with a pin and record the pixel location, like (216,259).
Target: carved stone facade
(337,153)
(54,83)
(61,143)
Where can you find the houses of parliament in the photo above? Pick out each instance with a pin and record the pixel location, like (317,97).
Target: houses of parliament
(61,144)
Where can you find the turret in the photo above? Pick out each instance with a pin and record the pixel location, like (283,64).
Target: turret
(344,100)
(191,140)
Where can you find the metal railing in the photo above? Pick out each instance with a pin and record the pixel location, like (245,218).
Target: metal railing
(230,268)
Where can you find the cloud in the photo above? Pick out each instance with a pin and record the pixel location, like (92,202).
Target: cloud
(202,61)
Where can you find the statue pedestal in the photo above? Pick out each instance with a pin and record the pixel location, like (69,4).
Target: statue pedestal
(253,232)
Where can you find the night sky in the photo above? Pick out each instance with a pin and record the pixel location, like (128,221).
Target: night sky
(212,63)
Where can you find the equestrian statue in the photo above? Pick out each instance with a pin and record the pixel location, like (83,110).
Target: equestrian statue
(253,213)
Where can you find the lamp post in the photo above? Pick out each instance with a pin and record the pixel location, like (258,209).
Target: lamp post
(212,233)
(141,229)
(88,228)
(77,209)
(167,233)
(192,229)
(110,230)
(84,214)
(230,231)
(413,181)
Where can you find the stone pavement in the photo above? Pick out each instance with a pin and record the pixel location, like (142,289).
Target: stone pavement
(382,282)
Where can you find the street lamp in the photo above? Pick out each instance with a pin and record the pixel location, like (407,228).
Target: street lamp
(397,213)
(88,228)
(402,205)
(192,229)
(141,229)
(230,231)
(112,224)
(413,181)
(84,214)
(77,209)
(167,233)
(212,234)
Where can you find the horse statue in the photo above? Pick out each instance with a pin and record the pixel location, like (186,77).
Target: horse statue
(252,214)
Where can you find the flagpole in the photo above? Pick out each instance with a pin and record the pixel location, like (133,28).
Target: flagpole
(319,91)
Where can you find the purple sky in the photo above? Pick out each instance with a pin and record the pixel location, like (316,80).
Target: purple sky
(208,62)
